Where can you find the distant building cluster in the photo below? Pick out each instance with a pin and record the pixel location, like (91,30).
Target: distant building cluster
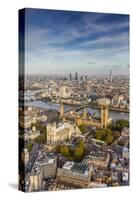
(77,89)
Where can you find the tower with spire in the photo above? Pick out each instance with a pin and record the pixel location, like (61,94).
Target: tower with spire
(61,109)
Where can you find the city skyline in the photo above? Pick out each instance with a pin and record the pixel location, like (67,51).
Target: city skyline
(65,41)
(74,100)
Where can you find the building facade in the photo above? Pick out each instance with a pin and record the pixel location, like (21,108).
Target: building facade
(75,174)
(60,132)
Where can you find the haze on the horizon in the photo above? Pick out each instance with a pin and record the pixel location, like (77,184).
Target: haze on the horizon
(60,42)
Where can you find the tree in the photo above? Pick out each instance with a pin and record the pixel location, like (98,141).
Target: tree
(106,135)
(29,146)
(75,154)
(82,128)
(117,134)
(119,124)
(41,138)
(58,146)
(42,128)
(79,152)
(109,138)
(100,134)
(64,150)
(123,123)
(33,124)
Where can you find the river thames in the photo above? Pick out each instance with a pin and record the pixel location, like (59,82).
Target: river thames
(54,106)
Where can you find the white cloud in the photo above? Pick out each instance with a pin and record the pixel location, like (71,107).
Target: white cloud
(47,50)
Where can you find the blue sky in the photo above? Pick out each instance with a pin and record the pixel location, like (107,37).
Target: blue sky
(60,42)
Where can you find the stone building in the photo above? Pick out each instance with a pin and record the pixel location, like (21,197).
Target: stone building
(44,168)
(60,132)
(75,174)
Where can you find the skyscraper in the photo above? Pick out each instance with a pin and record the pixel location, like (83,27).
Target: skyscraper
(111,76)
(76,76)
(81,78)
(70,77)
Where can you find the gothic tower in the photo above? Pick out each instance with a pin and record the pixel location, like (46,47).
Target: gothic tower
(104,112)
(104,116)
(61,109)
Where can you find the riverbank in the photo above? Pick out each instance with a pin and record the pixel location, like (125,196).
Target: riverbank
(90,105)
(110,108)
(115,115)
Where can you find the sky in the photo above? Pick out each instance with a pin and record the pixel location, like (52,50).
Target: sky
(63,42)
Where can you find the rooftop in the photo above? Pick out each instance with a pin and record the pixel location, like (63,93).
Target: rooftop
(76,167)
(80,167)
(36,168)
(68,165)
